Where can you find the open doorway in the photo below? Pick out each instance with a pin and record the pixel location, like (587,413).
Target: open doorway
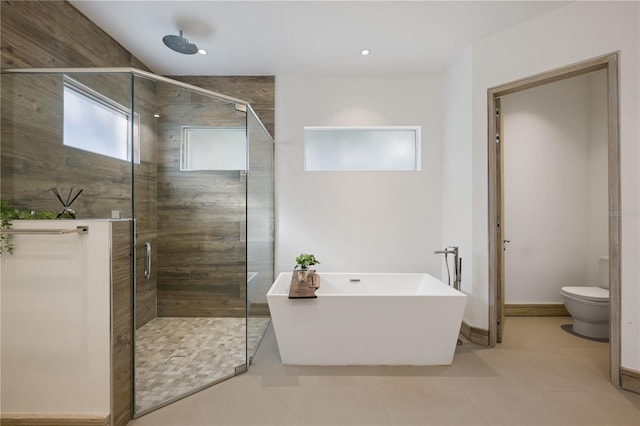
(608,63)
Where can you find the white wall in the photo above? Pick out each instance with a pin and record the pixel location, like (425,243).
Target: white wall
(456,164)
(549,204)
(57,288)
(573,33)
(358,221)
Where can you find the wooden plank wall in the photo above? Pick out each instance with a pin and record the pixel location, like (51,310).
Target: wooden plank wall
(44,34)
(121,323)
(201,249)
(34,158)
(221,290)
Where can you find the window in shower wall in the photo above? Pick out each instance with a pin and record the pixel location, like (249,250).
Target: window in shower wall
(390,148)
(213,148)
(95,123)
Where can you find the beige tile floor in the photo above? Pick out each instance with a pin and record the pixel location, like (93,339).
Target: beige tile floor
(176,355)
(540,375)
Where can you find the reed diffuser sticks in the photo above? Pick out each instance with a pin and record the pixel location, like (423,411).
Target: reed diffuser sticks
(67,212)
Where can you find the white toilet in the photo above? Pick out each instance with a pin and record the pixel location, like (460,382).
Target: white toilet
(589,306)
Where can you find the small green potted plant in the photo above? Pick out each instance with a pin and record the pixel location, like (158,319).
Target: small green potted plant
(303,261)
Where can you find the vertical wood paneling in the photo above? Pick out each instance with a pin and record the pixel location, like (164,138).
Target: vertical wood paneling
(121,323)
(615,221)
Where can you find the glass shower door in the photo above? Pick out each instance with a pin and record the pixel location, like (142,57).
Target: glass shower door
(260,230)
(190,210)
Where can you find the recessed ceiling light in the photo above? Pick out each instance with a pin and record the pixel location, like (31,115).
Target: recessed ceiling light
(365,52)
(156,115)
(202,51)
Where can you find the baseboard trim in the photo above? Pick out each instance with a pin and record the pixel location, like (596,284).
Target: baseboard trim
(535,310)
(473,334)
(630,379)
(54,420)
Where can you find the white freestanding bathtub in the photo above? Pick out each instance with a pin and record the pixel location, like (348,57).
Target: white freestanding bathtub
(368,319)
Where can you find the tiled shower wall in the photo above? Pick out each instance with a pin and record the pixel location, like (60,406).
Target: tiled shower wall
(201,249)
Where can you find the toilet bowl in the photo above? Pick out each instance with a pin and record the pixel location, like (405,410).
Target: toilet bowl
(589,306)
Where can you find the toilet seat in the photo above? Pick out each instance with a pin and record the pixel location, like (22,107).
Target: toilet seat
(594,294)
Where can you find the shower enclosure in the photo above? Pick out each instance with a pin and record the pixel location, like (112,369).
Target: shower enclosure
(193,171)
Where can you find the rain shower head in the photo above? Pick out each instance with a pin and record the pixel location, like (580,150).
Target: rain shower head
(180,44)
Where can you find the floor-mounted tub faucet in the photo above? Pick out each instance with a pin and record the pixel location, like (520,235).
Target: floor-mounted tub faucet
(457,265)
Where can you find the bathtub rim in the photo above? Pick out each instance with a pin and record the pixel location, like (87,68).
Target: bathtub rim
(451,292)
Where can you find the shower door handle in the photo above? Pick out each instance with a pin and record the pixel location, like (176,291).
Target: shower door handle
(147,260)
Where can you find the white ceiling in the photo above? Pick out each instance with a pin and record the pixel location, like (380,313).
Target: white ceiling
(292,37)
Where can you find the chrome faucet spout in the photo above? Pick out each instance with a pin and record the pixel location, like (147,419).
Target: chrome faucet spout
(445,251)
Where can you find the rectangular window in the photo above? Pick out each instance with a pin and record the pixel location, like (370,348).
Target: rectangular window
(95,123)
(213,148)
(391,148)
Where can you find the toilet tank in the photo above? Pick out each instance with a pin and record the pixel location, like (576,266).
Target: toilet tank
(603,268)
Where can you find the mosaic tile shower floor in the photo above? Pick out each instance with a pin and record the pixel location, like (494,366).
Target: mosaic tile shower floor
(175,356)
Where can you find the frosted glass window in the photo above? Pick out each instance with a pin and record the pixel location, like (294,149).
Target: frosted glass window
(362,148)
(213,148)
(94,123)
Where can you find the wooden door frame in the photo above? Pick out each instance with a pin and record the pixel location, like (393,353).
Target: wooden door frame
(610,63)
